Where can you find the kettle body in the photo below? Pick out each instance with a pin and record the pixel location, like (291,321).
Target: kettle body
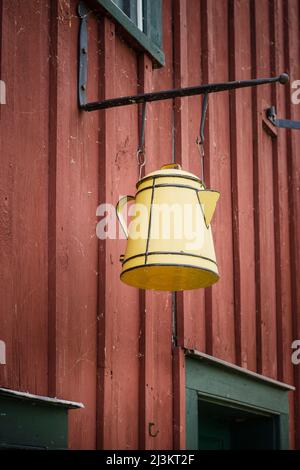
(169,240)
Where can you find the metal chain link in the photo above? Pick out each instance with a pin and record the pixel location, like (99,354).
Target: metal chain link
(141,154)
(200,138)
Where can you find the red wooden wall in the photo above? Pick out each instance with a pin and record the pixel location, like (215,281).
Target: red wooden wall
(71,328)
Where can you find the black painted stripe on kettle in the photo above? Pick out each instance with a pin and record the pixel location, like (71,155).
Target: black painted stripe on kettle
(168,185)
(150,220)
(176,253)
(161,175)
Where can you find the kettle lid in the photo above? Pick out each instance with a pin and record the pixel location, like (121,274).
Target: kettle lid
(171,169)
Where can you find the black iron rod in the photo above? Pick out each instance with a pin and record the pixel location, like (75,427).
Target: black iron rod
(286,123)
(181,92)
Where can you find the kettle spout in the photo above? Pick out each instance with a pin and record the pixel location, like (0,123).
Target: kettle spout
(208,201)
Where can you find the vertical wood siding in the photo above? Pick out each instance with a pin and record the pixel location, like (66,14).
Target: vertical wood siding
(71,328)
(241,147)
(72,198)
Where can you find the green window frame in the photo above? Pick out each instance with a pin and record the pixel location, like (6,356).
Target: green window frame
(148,36)
(215,381)
(134,9)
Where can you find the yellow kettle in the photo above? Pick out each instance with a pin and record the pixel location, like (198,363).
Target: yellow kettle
(169,239)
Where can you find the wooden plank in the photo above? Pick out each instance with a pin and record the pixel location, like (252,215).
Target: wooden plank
(108,149)
(242,186)
(263,197)
(206,39)
(156,388)
(280,98)
(160,152)
(180,156)
(147,325)
(179,402)
(73,197)
(219,300)
(194,307)
(157,379)
(119,354)
(53,122)
(1,39)
(23,196)
(144,84)
(190,305)
(180,80)
(291,27)
(188,326)
(147,383)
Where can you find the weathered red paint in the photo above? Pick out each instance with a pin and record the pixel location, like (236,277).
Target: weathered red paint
(263,199)
(219,299)
(72,329)
(284,313)
(179,405)
(242,184)
(23,207)
(72,257)
(194,307)
(156,313)
(291,34)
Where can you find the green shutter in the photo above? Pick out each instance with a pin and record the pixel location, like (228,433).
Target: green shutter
(153,18)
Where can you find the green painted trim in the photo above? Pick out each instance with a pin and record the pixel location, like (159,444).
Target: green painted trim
(41,400)
(146,41)
(191,419)
(237,369)
(284,432)
(218,383)
(29,424)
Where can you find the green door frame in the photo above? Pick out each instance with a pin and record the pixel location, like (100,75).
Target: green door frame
(221,382)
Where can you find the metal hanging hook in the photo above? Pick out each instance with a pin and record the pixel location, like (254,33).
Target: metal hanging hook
(141,154)
(200,138)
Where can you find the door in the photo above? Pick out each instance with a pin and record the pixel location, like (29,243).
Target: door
(228,407)
(227,427)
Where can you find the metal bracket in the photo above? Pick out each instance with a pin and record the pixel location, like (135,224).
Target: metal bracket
(151,433)
(83,12)
(284,123)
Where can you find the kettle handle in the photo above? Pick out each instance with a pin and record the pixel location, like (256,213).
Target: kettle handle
(171,165)
(121,203)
